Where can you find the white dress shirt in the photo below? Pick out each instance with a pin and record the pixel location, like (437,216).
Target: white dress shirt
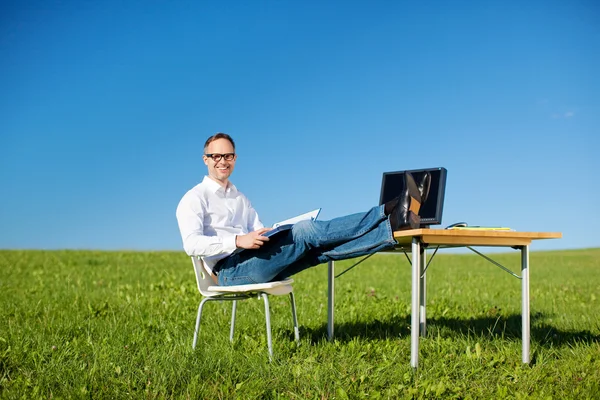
(210,217)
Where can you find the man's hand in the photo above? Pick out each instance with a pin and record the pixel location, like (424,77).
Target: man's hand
(252,240)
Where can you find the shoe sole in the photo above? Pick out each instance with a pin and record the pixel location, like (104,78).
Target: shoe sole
(414,220)
(415,195)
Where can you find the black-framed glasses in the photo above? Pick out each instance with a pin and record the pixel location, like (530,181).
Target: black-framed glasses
(216,157)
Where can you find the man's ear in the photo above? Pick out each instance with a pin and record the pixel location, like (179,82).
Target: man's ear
(205,159)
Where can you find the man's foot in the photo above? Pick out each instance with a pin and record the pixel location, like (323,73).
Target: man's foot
(404,209)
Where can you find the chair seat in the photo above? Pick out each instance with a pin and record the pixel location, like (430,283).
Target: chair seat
(275,288)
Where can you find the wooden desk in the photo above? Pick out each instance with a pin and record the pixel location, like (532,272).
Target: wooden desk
(417,241)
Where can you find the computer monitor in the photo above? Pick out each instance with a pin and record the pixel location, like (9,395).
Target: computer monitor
(392,185)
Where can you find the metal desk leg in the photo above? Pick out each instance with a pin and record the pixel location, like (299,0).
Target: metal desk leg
(330,298)
(423,294)
(525,302)
(414,315)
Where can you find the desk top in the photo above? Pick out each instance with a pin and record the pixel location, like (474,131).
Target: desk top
(466,237)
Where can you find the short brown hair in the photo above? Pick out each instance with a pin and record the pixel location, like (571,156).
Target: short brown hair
(216,136)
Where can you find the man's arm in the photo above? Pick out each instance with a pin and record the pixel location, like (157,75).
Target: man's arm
(190,218)
(254,239)
(254,223)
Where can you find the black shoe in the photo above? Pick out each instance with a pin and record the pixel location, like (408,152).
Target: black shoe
(424,185)
(405,212)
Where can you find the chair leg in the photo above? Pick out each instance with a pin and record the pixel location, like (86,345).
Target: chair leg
(233,309)
(268,319)
(198,317)
(294,317)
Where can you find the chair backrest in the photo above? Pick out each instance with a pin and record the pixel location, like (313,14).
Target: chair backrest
(203,278)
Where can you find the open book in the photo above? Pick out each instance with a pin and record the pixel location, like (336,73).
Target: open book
(288,223)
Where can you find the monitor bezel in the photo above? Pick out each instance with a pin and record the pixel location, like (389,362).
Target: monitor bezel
(439,207)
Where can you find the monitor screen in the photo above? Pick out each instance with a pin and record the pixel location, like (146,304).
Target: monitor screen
(431,211)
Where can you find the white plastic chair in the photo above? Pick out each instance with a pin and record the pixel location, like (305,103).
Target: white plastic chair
(213,292)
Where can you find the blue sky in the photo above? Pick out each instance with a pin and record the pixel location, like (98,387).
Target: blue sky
(105,106)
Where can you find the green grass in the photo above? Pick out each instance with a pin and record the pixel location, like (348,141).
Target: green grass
(86,324)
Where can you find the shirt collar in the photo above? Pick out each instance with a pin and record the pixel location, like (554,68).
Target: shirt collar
(215,187)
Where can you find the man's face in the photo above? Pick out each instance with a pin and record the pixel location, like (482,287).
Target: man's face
(220,170)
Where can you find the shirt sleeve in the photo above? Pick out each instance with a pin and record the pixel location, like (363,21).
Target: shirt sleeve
(190,218)
(254,222)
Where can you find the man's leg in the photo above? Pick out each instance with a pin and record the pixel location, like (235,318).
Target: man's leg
(304,245)
(378,239)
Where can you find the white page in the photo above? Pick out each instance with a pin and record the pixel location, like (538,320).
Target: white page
(309,215)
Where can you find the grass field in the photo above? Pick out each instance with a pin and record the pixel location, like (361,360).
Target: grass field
(87,324)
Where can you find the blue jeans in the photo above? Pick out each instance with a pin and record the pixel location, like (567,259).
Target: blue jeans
(307,244)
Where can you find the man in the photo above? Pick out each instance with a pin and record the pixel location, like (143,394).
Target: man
(215,219)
